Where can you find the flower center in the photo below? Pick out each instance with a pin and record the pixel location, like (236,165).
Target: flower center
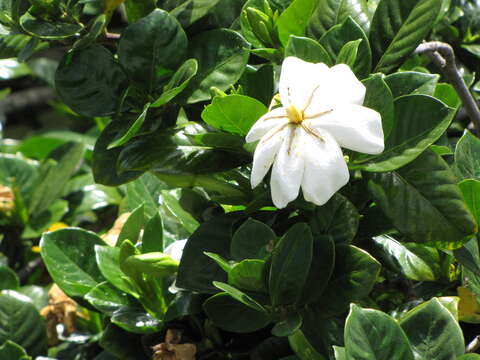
(294,115)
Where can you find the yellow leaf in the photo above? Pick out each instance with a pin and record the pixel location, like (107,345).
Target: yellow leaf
(468,307)
(57,226)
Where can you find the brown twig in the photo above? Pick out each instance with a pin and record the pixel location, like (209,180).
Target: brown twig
(443,56)
(473,345)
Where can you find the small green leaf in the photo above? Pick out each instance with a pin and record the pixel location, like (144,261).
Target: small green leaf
(240,296)
(467,157)
(137,9)
(251,239)
(132,130)
(9,278)
(348,53)
(307,49)
(107,298)
(225,265)
(152,239)
(410,82)
(294,20)
(249,275)
(287,326)
(51,30)
(132,227)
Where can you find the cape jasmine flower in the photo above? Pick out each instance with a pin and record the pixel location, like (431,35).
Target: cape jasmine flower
(321,111)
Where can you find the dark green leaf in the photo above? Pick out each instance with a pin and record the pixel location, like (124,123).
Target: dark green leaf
(248,275)
(467,157)
(136,9)
(291,261)
(251,240)
(258,83)
(51,30)
(190,11)
(307,49)
(69,257)
(233,113)
(11,351)
(302,347)
(372,334)
(231,315)
(239,296)
(433,332)
(21,323)
(12,44)
(151,48)
(222,55)
(132,130)
(410,82)
(152,239)
(107,298)
(90,73)
(398,27)
(225,265)
(288,326)
(9,279)
(424,202)
(124,345)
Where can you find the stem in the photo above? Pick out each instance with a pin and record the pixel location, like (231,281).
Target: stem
(443,56)
(473,345)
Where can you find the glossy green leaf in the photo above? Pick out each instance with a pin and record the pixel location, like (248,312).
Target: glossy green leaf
(249,275)
(411,82)
(151,48)
(398,27)
(251,239)
(287,326)
(233,113)
(338,218)
(340,353)
(470,189)
(333,12)
(12,351)
(132,130)
(353,277)
(69,257)
(303,349)
(197,271)
(307,49)
(448,95)
(145,190)
(178,82)
(414,261)
(222,55)
(152,239)
(108,261)
(433,332)
(155,264)
(231,315)
(136,320)
(224,264)
(467,157)
(51,30)
(172,203)
(294,19)
(9,278)
(190,11)
(291,262)
(419,121)
(107,298)
(348,53)
(424,202)
(239,296)
(257,82)
(132,227)
(372,334)
(21,323)
(339,35)
(90,73)
(137,9)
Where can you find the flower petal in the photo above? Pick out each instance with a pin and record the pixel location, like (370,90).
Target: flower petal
(288,168)
(340,86)
(354,127)
(267,122)
(298,81)
(266,152)
(325,169)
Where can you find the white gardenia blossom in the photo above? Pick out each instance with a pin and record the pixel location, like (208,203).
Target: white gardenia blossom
(321,112)
(175,249)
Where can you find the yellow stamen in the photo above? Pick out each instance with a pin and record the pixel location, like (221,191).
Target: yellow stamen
(294,115)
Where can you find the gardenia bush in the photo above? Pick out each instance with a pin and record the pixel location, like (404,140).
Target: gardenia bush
(250,179)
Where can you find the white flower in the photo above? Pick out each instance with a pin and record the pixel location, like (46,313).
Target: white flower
(322,110)
(175,249)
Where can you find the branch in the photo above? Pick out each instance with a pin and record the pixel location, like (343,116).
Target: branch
(473,345)
(443,56)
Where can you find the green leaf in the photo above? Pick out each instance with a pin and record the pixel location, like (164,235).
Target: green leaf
(11,351)
(155,264)
(301,346)
(437,214)
(469,357)
(291,261)
(54,173)
(184,151)
(249,275)
(136,320)
(258,83)
(372,334)
(222,55)
(152,239)
(379,98)
(122,344)
(338,218)
(340,353)
(251,239)
(108,261)
(239,296)
(21,323)
(151,47)
(294,19)
(333,12)
(467,157)
(132,130)
(419,121)
(172,203)
(69,257)
(132,227)
(231,315)
(287,326)
(411,82)
(107,298)
(96,28)
(178,82)
(18,172)
(51,30)
(137,9)
(470,189)
(190,11)
(196,271)
(145,190)
(224,264)
(12,44)
(339,35)
(398,27)
(433,332)
(37,294)
(348,53)
(90,73)
(353,277)
(414,261)
(307,49)
(9,279)
(233,113)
